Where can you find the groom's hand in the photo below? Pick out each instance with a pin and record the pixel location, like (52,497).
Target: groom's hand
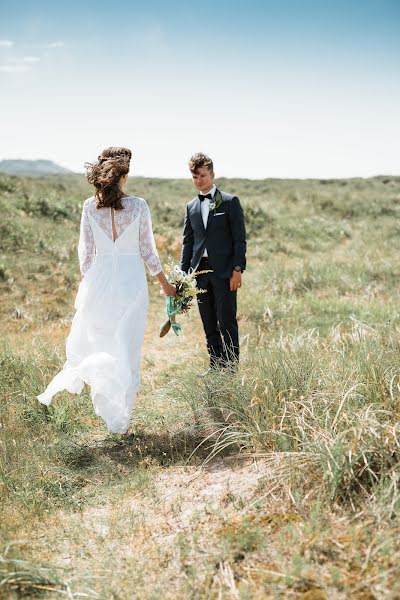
(235,281)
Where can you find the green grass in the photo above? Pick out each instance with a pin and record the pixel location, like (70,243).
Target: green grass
(317,400)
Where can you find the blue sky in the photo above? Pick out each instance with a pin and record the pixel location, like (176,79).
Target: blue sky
(268,89)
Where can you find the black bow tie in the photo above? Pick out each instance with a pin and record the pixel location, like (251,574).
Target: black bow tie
(201,197)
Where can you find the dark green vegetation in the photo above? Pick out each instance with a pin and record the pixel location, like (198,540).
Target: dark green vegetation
(317,399)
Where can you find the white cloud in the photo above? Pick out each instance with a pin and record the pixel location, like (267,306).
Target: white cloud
(24,60)
(28,60)
(48,46)
(6,43)
(16,68)
(19,65)
(58,44)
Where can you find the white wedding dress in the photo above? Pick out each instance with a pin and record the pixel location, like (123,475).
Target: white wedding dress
(104,345)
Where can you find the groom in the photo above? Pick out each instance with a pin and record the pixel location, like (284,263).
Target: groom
(214,238)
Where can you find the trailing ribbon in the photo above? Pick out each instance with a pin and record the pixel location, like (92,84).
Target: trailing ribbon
(172,308)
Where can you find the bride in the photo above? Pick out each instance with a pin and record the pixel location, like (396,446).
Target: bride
(104,345)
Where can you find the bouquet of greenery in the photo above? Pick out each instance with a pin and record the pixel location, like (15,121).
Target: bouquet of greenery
(186,292)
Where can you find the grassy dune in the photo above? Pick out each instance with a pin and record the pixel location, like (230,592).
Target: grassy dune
(281,481)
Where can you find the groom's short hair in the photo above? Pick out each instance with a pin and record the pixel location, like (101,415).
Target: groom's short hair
(199,160)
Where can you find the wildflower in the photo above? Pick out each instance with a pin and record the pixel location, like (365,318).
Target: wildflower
(186,292)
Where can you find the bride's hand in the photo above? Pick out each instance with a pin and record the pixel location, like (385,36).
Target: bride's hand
(169,290)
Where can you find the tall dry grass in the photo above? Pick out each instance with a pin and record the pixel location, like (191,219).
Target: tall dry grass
(316,397)
(326,410)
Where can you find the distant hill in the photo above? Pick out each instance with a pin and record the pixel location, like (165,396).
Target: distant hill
(32,167)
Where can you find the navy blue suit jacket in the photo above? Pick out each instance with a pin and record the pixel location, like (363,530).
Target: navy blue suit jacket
(224,238)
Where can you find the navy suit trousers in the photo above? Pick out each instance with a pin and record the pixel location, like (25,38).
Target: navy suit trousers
(218,313)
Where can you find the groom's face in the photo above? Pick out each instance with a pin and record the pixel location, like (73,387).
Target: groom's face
(203,179)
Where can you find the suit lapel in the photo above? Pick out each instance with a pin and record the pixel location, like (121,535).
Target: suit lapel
(209,218)
(197,213)
(211,213)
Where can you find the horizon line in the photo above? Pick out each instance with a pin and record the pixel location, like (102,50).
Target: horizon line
(270,178)
(70,172)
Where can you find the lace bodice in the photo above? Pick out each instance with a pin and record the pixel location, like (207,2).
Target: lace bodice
(134,208)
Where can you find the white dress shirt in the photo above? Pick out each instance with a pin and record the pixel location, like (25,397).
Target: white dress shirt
(205,209)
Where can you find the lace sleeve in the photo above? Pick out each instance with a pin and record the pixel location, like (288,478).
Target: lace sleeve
(86,242)
(147,244)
